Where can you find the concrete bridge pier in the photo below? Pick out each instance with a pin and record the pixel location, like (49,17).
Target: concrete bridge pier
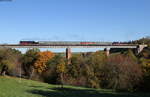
(68,55)
(140,48)
(107,51)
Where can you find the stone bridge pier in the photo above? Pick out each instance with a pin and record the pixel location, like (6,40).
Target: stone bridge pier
(68,55)
(107,51)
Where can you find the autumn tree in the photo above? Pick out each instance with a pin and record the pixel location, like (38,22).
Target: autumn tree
(28,61)
(85,69)
(121,72)
(58,64)
(94,70)
(42,59)
(61,69)
(77,61)
(9,61)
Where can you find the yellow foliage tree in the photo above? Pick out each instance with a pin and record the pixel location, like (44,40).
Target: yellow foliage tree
(43,57)
(61,69)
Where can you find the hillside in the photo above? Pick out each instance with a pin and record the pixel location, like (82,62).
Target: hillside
(14,87)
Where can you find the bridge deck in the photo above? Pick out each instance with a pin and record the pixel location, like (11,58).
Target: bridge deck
(66,46)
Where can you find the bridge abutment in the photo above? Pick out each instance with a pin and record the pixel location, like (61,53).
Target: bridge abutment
(140,48)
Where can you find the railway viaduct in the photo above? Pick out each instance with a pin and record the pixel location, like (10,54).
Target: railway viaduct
(107,48)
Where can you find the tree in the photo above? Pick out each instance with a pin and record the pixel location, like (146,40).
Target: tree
(28,61)
(145,40)
(10,61)
(122,73)
(40,64)
(85,69)
(61,69)
(74,69)
(58,63)
(94,68)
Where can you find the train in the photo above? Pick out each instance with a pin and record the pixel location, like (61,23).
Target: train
(71,43)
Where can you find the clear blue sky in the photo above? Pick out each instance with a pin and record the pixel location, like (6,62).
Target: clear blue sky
(92,20)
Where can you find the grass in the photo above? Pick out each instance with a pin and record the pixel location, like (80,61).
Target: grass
(14,87)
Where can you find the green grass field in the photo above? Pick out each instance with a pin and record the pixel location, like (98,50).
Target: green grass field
(14,87)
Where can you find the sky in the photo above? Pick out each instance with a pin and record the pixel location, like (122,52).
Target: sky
(74,20)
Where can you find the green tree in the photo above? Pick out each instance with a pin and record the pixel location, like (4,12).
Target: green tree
(10,61)
(28,60)
(57,67)
(95,72)
(85,69)
(61,69)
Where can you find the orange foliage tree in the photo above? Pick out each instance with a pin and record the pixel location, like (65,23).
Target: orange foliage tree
(43,57)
